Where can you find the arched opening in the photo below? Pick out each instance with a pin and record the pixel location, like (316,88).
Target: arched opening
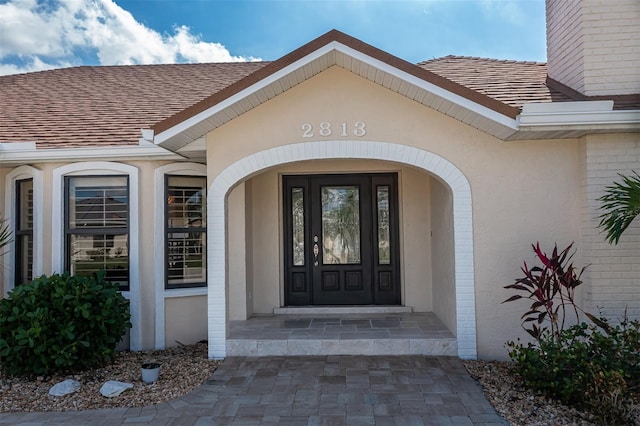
(453,184)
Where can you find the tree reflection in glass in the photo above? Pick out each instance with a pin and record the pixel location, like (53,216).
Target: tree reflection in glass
(340,225)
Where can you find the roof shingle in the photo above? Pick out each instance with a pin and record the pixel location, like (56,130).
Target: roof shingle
(105,106)
(108,105)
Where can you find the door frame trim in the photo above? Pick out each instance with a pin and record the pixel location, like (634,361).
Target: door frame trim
(222,183)
(370,182)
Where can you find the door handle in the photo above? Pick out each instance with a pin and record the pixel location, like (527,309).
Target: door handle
(316,251)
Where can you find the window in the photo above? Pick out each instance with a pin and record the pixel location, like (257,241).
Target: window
(97,226)
(23,232)
(185,221)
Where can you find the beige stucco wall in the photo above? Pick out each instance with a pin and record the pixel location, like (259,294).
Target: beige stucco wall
(443,248)
(522,191)
(186,320)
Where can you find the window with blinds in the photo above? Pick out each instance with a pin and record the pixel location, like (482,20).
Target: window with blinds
(97,226)
(24,232)
(185,250)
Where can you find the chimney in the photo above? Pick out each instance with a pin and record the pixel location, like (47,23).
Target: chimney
(593,46)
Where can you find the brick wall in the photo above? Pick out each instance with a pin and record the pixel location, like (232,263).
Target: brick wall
(593,46)
(612,281)
(564,42)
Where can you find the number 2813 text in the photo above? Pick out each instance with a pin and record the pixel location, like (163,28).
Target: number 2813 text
(326,129)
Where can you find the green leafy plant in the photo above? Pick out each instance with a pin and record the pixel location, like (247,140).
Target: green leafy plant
(61,323)
(621,205)
(6,236)
(551,287)
(589,365)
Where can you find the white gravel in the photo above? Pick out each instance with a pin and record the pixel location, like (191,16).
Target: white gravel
(183,369)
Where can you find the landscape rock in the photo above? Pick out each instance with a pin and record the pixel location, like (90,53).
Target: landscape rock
(113,388)
(64,388)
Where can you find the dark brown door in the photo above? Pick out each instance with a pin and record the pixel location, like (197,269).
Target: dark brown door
(341,237)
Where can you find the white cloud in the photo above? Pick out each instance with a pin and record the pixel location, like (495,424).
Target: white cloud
(50,34)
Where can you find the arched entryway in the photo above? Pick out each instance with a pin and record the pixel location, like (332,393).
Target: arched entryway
(462,223)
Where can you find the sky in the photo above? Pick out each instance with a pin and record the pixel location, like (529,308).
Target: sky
(44,34)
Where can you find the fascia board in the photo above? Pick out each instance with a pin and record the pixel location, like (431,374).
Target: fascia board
(163,137)
(64,154)
(431,88)
(576,116)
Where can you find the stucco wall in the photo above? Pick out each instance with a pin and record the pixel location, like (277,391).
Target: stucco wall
(237,254)
(186,320)
(522,192)
(443,249)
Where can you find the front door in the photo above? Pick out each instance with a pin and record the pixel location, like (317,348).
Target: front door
(341,234)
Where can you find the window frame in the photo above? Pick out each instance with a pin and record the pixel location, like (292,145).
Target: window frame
(18,232)
(8,263)
(167,230)
(68,231)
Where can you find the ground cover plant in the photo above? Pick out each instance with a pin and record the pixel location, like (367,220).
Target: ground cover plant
(590,364)
(61,323)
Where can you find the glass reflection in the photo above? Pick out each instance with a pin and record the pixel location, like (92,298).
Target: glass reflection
(297,212)
(340,225)
(384,245)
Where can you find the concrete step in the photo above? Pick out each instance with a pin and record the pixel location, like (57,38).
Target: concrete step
(446,346)
(332,310)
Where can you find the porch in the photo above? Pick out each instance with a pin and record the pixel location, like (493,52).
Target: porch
(324,331)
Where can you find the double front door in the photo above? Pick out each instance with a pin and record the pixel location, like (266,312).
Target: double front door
(341,239)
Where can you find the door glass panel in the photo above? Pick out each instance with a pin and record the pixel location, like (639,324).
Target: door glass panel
(340,225)
(297,212)
(384,246)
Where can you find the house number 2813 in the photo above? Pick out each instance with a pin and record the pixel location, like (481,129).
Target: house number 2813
(326,129)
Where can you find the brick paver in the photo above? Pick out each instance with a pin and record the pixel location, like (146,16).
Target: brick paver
(313,390)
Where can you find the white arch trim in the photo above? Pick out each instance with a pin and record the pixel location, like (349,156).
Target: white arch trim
(98,168)
(20,173)
(432,163)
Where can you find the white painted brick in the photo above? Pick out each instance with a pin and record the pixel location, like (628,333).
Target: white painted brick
(613,280)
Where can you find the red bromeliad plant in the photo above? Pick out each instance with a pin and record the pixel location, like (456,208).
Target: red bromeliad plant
(551,287)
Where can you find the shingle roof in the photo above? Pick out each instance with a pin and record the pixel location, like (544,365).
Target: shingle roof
(105,106)
(108,105)
(511,82)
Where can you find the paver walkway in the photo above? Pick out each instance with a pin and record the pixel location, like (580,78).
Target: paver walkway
(316,390)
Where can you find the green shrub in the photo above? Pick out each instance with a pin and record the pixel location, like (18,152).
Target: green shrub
(594,366)
(587,367)
(61,323)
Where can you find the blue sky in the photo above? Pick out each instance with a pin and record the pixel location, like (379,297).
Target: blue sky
(42,34)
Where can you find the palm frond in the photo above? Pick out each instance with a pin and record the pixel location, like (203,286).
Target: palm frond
(6,236)
(621,205)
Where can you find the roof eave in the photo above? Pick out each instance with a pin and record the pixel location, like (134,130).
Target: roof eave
(574,119)
(27,152)
(337,49)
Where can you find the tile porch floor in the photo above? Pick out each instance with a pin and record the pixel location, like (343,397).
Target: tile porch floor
(341,334)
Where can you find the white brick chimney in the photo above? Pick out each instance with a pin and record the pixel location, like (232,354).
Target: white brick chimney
(593,46)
